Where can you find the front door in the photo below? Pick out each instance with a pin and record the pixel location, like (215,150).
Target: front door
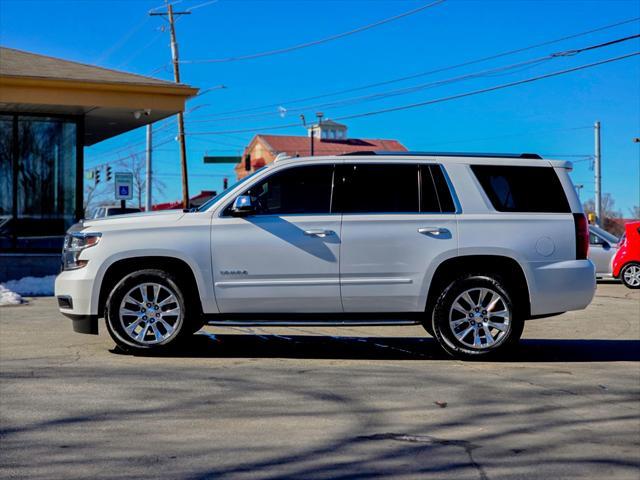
(285,257)
(398,220)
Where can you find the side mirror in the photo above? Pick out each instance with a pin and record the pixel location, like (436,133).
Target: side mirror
(242,206)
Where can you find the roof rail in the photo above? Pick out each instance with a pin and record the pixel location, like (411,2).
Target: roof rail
(445,154)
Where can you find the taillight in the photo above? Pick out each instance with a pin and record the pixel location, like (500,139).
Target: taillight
(582,235)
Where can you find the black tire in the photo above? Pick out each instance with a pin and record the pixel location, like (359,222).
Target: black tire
(130,286)
(445,316)
(626,270)
(427,325)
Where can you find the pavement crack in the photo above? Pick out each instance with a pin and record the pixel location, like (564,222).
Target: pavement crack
(467,446)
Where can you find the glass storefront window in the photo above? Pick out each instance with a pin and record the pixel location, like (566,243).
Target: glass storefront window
(6,180)
(44,185)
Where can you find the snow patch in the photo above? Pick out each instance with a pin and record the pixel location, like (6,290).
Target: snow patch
(7,297)
(31,286)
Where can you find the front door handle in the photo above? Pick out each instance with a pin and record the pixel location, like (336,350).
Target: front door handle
(437,231)
(318,232)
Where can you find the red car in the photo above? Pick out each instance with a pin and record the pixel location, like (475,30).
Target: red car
(626,263)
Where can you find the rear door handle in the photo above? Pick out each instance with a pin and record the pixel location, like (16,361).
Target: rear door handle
(318,232)
(433,231)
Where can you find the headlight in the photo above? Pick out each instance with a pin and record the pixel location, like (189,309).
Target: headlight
(74,243)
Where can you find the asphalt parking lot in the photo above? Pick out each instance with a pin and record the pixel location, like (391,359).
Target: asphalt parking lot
(311,403)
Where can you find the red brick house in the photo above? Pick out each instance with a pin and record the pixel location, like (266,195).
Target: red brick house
(330,138)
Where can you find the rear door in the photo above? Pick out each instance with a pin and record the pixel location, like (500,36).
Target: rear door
(398,218)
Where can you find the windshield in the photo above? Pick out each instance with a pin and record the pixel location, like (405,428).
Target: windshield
(213,200)
(604,234)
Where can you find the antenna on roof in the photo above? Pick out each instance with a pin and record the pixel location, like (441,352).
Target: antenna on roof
(281,156)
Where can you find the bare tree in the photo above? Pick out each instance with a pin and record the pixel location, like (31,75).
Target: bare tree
(95,195)
(135,164)
(609,213)
(635,212)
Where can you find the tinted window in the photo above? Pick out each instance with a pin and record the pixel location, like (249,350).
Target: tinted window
(378,188)
(121,211)
(428,195)
(442,189)
(522,189)
(294,190)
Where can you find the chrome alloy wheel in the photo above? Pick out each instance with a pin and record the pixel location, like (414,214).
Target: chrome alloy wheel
(150,313)
(632,276)
(480,318)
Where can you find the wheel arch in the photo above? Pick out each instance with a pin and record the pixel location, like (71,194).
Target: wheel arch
(507,267)
(123,267)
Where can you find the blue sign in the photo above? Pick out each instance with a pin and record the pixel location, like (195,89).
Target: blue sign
(124,185)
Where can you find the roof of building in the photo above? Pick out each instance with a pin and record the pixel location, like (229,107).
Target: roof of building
(18,63)
(300,145)
(329,123)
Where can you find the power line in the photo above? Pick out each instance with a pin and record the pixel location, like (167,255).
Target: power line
(153,40)
(316,42)
(509,135)
(437,100)
(123,40)
(488,89)
(202,5)
(420,87)
(434,71)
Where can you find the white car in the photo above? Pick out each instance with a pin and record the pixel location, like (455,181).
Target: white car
(602,248)
(111,210)
(467,245)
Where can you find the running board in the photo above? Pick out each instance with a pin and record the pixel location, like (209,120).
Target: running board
(309,323)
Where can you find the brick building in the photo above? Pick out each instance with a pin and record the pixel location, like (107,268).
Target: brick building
(329,138)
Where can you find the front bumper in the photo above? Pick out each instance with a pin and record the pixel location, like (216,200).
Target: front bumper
(87,324)
(74,291)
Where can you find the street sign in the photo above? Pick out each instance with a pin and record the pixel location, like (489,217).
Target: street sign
(124,185)
(221,159)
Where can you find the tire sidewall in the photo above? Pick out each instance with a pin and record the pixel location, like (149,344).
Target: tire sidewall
(112,319)
(622,272)
(442,329)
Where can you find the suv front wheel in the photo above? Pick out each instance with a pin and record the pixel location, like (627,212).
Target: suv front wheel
(147,311)
(474,317)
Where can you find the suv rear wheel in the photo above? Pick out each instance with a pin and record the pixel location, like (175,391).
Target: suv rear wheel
(474,317)
(147,311)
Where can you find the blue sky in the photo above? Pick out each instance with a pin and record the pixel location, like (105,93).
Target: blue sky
(552,117)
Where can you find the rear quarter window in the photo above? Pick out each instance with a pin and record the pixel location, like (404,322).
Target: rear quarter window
(522,189)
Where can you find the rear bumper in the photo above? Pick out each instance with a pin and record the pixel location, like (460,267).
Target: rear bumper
(561,286)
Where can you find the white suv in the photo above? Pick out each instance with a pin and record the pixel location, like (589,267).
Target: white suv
(467,245)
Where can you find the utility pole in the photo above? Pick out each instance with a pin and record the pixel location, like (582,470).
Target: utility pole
(312,135)
(597,173)
(319,115)
(176,76)
(149,173)
(579,188)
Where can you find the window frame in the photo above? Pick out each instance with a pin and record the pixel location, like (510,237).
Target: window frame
(420,167)
(490,195)
(225,210)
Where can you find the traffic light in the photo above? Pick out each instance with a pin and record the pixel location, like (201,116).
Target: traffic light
(225,183)
(96,176)
(108,173)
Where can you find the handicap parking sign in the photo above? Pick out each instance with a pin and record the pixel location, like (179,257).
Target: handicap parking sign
(124,185)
